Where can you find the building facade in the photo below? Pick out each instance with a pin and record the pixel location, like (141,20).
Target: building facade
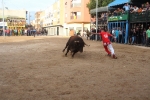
(13,19)
(54,18)
(76,16)
(39,20)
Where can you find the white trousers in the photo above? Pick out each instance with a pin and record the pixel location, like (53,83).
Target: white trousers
(111,49)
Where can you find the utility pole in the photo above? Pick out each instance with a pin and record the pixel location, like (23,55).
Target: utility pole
(29,17)
(96,19)
(3,19)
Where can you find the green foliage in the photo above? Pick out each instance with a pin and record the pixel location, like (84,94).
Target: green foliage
(101,3)
(91,4)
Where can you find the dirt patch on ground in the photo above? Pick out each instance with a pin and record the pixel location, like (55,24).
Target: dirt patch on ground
(36,69)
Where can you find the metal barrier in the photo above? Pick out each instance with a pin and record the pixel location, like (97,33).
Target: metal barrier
(140,17)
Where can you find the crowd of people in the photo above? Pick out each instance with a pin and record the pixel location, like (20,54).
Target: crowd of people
(22,32)
(130,8)
(12,32)
(137,36)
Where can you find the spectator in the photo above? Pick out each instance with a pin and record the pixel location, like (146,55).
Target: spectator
(140,10)
(143,6)
(88,33)
(133,37)
(10,32)
(117,35)
(122,11)
(137,35)
(147,36)
(144,37)
(130,36)
(135,9)
(147,5)
(113,33)
(120,36)
(126,7)
(119,10)
(131,9)
(115,13)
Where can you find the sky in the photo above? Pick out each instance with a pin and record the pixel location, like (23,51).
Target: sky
(29,5)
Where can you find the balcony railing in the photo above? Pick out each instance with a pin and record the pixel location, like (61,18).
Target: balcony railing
(118,16)
(100,22)
(132,17)
(75,5)
(75,17)
(140,17)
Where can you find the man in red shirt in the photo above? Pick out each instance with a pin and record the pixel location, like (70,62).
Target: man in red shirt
(107,44)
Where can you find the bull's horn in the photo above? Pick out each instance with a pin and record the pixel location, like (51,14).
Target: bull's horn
(76,41)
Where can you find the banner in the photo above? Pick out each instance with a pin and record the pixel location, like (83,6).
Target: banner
(1,23)
(118,18)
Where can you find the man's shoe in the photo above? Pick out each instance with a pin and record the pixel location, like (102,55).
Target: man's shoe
(108,54)
(114,57)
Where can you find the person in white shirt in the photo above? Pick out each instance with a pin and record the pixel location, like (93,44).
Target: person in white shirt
(135,9)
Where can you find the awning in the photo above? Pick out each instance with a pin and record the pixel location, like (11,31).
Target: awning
(100,9)
(118,2)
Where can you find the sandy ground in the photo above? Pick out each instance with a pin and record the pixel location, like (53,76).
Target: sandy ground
(36,69)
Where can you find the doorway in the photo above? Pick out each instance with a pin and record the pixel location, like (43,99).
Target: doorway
(57,30)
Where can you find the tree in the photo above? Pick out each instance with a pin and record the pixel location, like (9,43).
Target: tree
(101,3)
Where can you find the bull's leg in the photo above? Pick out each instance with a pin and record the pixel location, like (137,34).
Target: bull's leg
(67,51)
(66,46)
(74,53)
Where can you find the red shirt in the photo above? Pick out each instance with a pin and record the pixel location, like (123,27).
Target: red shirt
(105,36)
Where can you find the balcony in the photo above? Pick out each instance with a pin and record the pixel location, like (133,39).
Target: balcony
(140,17)
(75,17)
(75,5)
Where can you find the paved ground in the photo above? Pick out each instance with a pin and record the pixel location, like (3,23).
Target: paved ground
(36,69)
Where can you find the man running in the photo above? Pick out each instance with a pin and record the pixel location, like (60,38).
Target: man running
(107,44)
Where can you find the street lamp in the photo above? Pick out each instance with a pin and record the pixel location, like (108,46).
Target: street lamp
(96,19)
(3,19)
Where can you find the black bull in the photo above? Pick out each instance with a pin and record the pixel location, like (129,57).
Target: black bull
(74,44)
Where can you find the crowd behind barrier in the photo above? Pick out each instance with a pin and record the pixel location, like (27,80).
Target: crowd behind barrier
(139,33)
(137,36)
(130,8)
(22,32)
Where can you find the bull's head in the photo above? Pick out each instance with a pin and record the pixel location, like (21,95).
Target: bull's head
(78,46)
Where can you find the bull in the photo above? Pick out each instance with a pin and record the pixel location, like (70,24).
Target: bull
(75,44)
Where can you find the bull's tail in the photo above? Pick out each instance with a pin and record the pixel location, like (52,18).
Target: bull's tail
(86,44)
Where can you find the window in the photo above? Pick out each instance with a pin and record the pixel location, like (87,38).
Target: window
(76,3)
(65,3)
(65,14)
(75,15)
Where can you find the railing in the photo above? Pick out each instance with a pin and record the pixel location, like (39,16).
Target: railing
(75,17)
(140,17)
(118,16)
(101,22)
(75,5)
(133,17)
